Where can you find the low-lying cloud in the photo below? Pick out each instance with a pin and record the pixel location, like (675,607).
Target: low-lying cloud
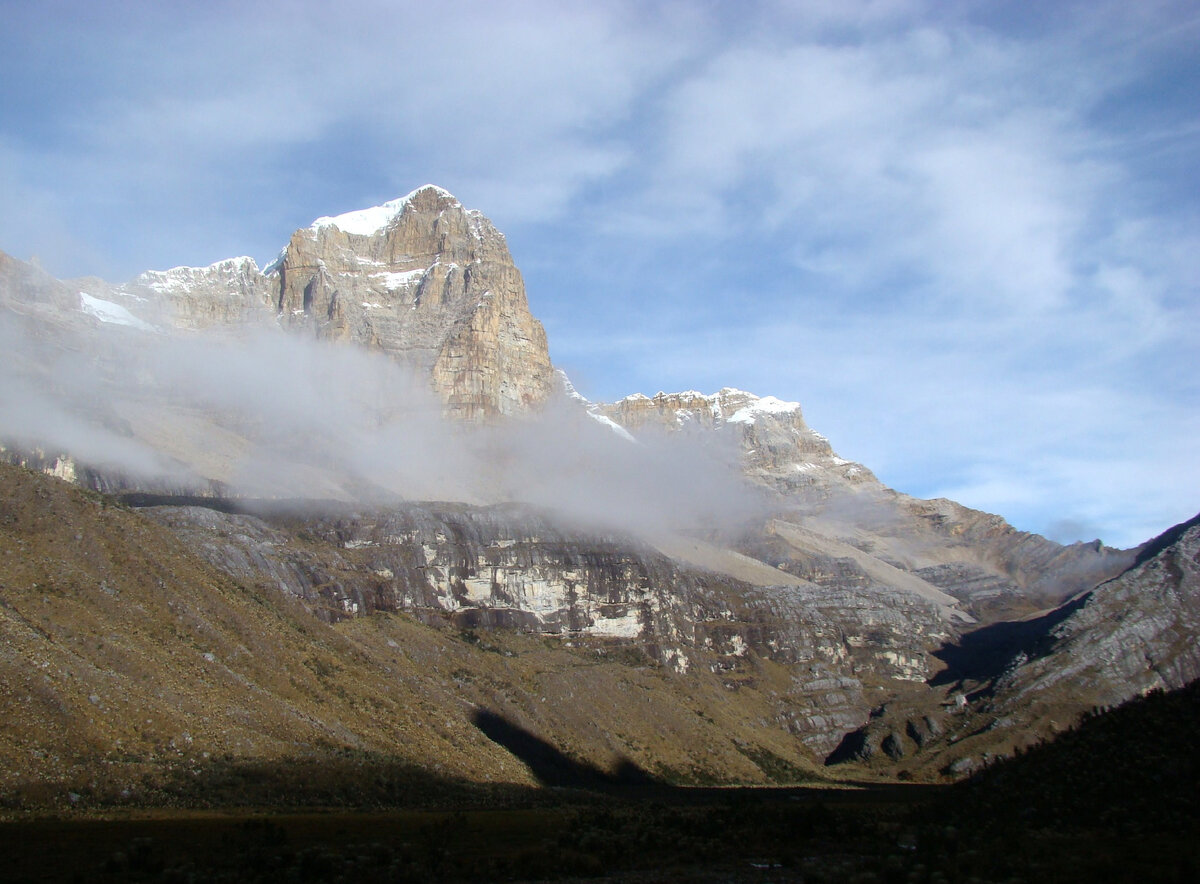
(265,414)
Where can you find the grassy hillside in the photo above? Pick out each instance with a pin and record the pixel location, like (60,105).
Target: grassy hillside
(128,666)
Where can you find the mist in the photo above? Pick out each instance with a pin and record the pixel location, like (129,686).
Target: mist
(264,414)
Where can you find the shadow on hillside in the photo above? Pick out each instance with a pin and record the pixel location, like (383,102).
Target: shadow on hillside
(984,655)
(549,765)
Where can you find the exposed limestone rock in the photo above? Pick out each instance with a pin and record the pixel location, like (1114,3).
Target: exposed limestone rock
(1131,635)
(778,448)
(433,286)
(840,526)
(422,279)
(837,597)
(26,287)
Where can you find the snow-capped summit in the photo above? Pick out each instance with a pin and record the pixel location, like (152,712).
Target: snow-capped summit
(368,222)
(421,278)
(416,277)
(779,449)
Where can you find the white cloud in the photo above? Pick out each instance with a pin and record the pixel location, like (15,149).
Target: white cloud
(907,156)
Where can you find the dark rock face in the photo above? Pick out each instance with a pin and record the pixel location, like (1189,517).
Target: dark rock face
(1132,634)
(1008,685)
(893,746)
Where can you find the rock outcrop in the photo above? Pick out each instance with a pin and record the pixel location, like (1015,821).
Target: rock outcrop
(1015,683)
(778,449)
(229,293)
(831,604)
(1131,635)
(834,521)
(516,568)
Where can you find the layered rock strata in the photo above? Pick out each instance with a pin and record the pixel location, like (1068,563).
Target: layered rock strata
(778,449)
(514,567)
(834,517)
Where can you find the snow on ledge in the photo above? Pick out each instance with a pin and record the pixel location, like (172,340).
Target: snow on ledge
(183,278)
(589,409)
(767,405)
(612,425)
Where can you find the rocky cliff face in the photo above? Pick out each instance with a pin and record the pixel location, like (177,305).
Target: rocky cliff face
(26,287)
(130,662)
(835,521)
(515,568)
(229,293)
(1131,635)
(429,283)
(838,599)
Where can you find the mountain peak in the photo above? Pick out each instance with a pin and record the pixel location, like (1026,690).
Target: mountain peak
(368,222)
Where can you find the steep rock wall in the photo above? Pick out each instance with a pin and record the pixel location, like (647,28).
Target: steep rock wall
(435,288)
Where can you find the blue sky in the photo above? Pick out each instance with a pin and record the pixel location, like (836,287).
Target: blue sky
(965,236)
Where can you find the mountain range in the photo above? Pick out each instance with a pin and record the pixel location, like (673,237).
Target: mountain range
(345,503)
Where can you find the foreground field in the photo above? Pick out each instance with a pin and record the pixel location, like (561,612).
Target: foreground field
(898,833)
(638,833)
(1114,800)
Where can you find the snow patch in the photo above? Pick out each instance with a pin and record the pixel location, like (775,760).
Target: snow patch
(276,265)
(403,280)
(574,395)
(107,311)
(611,424)
(767,405)
(568,388)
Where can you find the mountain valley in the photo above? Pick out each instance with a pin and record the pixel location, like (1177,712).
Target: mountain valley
(342,511)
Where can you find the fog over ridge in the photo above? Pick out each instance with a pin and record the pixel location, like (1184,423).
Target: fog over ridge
(261,413)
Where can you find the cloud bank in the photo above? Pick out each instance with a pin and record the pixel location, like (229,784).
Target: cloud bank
(264,414)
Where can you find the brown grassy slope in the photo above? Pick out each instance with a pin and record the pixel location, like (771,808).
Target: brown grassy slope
(118,644)
(123,654)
